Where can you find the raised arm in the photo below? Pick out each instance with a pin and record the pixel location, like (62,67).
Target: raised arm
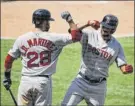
(76,31)
(76,35)
(67,16)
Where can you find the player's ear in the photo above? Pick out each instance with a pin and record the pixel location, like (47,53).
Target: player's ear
(69,30)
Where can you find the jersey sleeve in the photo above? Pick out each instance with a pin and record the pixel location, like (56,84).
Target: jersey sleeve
(62,39)
(85,34)
(14,51)
(120,59)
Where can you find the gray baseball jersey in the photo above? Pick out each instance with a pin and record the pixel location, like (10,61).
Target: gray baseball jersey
(97,56)
(39,51)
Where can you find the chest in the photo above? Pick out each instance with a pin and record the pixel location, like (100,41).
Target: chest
(102,50)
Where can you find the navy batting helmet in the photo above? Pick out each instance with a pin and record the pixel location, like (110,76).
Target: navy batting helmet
(41,15)
(110,21)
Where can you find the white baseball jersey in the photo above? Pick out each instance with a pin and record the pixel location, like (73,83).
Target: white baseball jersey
(39,51)
(97,55)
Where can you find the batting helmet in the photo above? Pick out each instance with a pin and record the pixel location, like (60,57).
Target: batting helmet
(110,21)
(41,15)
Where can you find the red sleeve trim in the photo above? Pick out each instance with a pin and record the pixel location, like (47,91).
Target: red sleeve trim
(76,35)
(8,62)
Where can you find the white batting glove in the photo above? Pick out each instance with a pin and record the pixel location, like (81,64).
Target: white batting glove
(66,15)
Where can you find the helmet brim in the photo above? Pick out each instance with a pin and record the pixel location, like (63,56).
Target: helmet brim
(51,19)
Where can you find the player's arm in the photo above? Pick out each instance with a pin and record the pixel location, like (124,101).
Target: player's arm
(12,55)
(121,62)
(7,72)
(75,31)
(93,23)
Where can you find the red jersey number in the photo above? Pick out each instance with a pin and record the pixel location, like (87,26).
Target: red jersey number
(45,58)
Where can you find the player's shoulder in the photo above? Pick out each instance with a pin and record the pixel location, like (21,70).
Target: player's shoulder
(89,31)
(25,35)
(116,41)
(53,35)
(86,30)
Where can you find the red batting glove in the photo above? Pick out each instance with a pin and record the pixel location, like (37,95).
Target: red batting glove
(128,68)
(94,24)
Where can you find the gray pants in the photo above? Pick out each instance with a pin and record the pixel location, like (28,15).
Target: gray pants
(93,93)
(35,91)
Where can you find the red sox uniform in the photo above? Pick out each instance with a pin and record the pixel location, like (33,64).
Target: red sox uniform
(97,56)
(39,52)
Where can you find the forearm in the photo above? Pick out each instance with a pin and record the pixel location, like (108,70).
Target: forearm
(72,25)
(7,73)
(8,63)
(94,24)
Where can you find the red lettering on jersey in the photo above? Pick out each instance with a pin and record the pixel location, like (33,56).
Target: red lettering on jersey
(35,42)
(25,50)
(40,41)
(105,54)
(49,45)
(30,43)
(102,52)
(44,42)
(109,57)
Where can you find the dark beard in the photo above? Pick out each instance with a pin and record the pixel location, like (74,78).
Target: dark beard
(107,38)
(45,30)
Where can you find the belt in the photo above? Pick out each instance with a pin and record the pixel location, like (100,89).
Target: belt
(47,76)
(43,76)
(92,80)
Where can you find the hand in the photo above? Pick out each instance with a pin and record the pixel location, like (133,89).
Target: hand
(94,24)
(128,68)
(7,83)
(66,15)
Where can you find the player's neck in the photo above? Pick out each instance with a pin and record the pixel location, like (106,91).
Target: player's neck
(36,30)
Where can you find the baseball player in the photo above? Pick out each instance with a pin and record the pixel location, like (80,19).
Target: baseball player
(99,50)
(39,51)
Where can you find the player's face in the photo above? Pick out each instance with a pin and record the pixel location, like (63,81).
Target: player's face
(106,33)
(46,25)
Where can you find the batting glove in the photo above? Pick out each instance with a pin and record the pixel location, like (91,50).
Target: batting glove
(7,81)
(66,15)
(128,68)
(94,24)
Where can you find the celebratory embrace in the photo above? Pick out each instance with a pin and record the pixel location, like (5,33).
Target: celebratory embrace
(40,50)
